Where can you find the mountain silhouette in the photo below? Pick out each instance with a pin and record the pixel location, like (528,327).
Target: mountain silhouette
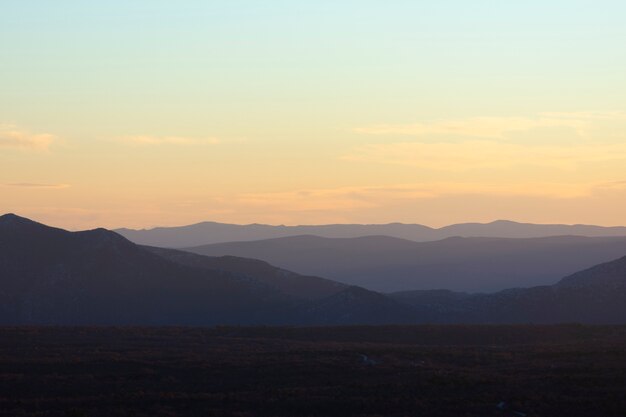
(211,232)
(52,276)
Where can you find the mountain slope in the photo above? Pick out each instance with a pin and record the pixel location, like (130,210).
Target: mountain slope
(51,276)
(289,283)
(596,295)
(211,232)
(609,275)
(388,264)
(98,277)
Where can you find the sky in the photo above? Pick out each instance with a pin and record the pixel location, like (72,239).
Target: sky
(143,113)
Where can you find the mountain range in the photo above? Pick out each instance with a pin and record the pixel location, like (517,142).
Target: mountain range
(52,276)
(388,264)
(210,232)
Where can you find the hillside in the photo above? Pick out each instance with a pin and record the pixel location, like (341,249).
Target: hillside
(51,276)
(596,295)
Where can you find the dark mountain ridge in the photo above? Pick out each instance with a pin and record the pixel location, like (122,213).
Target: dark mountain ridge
(52,276)
(287,282)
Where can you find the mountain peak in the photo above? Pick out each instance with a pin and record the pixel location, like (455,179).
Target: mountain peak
(104,240)
(13,220)
(503,221)
(9,217)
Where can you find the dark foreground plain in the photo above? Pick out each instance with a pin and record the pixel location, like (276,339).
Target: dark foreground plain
(566,370)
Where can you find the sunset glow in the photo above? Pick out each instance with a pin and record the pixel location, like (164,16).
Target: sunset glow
(145,113)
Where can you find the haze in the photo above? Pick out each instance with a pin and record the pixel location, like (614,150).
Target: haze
(149,113)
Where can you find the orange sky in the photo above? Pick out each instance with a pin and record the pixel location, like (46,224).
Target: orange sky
(152,113)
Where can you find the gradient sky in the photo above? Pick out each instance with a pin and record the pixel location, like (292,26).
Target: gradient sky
(150,112)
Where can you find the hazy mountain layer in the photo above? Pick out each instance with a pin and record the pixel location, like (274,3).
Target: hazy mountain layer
(461,264)
(211,232)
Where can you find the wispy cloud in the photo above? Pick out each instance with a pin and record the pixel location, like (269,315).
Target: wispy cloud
(612,186)
(477,154)
(493,127)
(345,199)
(168,140)
(488,143)
(36,185)
(587,115)
(12,136)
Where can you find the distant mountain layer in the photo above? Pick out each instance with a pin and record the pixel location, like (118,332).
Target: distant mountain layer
(389,264)
(51,276)
(210,232)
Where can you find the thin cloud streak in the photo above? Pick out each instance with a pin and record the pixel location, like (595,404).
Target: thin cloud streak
(36,185)
(494,127)
(12,136)
(167,140)
(350,198)
(480,154)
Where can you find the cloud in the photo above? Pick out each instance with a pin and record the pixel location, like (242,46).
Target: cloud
(479,154)
(36,185)
(494,127)
(167,140)
(346,199)
(612,186)
(307,200)
(485,127)
(483,143)
(587,115)
(13,137)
